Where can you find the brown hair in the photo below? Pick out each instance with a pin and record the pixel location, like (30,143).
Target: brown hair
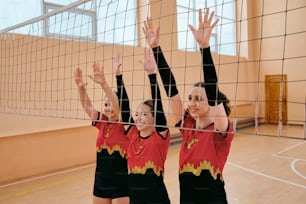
(221,98)
(150,104)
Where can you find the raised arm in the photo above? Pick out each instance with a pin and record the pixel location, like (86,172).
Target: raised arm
(84,98)
(124,103)
(160,119)
(202,35)
(99,78)
(175,102)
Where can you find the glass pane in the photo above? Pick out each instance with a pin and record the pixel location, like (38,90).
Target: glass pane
(117,22)
(212,4)
(224,43)
(183,3)
(185,38)
(226,10)
(87,6)
(18,11)
(60,2)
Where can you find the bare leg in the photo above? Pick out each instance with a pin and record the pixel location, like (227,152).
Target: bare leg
(98,200)
(122,200)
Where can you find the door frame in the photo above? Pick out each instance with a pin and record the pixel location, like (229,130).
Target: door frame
(281,81)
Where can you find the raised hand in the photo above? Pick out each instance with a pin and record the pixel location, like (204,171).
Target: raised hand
(152,37)
(98,76)
(78,78)
(117,64)
(149,63)
(203,33)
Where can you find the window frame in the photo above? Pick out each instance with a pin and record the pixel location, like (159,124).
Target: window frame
(46,27)
(214,35)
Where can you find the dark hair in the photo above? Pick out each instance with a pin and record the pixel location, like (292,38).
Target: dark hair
(150,104)
(221,98)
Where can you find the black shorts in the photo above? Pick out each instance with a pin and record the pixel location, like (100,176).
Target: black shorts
(202,189)
(147,189)
(111,176)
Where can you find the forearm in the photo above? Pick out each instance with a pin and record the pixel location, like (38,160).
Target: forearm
(210,76)
(165,72)
(111,96)
(86,103)
(160,118)
(209,70)
(124,103)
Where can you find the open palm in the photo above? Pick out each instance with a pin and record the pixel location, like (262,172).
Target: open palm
(203,33)
(98,76)
(152,37)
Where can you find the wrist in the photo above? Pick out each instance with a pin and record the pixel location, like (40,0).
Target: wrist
(204,45)
(102,83)
(154,45)
(82,86)
(152,77)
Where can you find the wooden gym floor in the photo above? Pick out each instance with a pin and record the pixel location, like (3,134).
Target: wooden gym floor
(260,170)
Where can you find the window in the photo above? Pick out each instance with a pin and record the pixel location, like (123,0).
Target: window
(117,22)
(75,23)
(18,11)
(223,38)
(108,21)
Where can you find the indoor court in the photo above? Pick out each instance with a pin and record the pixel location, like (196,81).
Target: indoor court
(47,143)
(260,169)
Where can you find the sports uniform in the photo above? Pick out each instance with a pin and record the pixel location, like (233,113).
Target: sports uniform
(203,152)
(111,166)
(146,158)
(146,155)
(202,158)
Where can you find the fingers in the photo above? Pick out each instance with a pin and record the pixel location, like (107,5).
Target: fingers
(149,19)
(144,31)
(118,66)
(206,15)
(96,68)
(157,31)
(210,17)
(215,23)
(117,55)
(141,62)
(91,77)
(147,25)
(200,17)
(98,71)
(78,73)
(191,28)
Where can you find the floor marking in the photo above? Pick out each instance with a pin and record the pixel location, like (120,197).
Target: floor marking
(296,171)
(289,148)
(267,176)
(292,158)
(47,175)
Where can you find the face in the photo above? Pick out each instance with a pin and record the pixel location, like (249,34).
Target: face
(197,103)
(144,119)
(108,111)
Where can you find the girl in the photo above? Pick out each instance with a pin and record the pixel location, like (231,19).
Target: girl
(149,142)
(110,185)
(205,127)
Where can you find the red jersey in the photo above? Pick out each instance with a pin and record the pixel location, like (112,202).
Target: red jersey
(111,137)
(203,149)
(147,153)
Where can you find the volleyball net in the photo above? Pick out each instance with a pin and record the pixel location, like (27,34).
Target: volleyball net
(259,54)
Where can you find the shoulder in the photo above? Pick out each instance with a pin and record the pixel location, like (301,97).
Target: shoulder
(188,121)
